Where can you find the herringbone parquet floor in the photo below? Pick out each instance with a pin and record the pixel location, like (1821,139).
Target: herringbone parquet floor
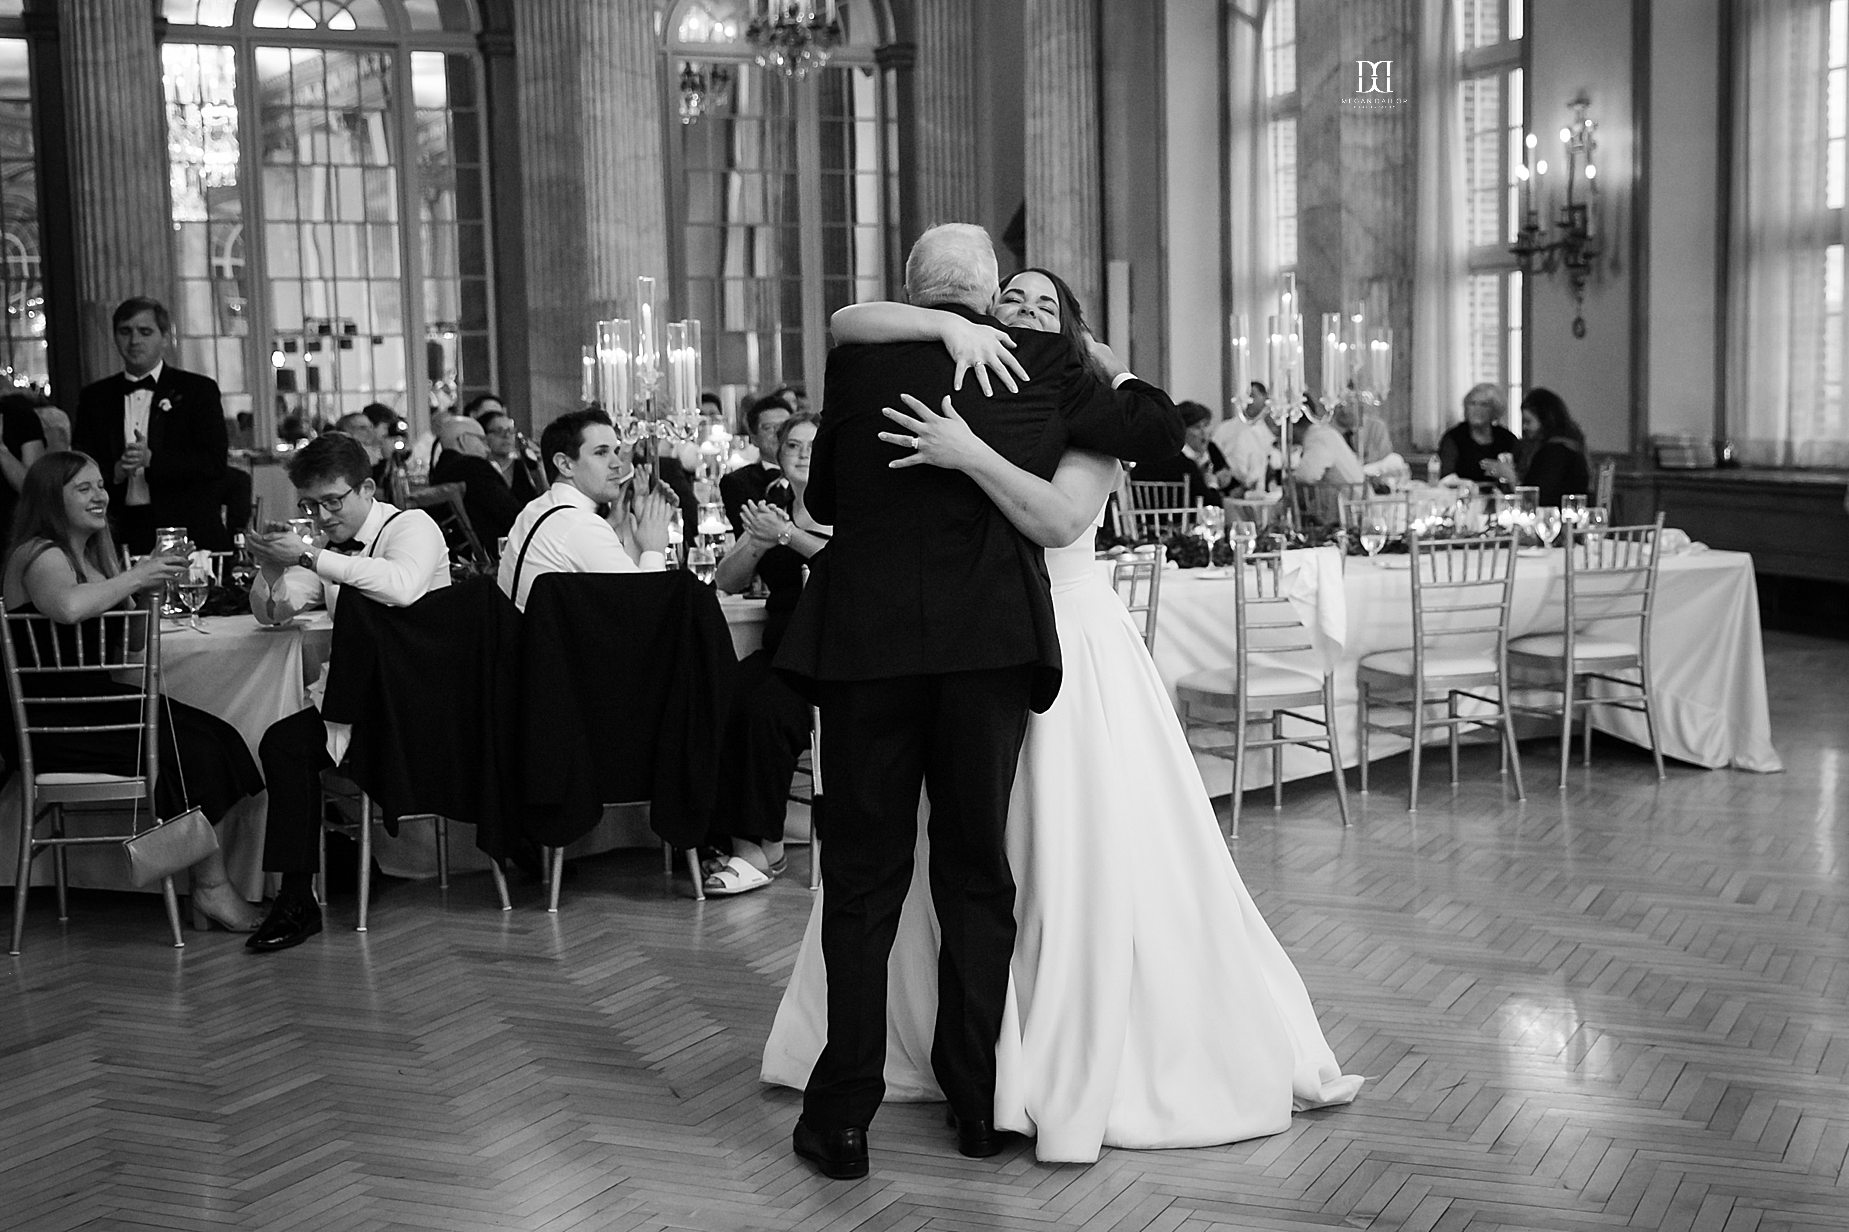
(1622,1006)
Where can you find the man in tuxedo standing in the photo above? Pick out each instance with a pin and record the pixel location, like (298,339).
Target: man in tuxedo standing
(158,435)
(926,635)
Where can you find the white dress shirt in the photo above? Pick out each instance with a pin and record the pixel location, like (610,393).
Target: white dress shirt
(575,540)
(399,564)
(1327,458)
(1246,448)
(137,407)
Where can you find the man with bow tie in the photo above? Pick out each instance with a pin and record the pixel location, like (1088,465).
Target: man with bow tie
(392,556)
(158,435)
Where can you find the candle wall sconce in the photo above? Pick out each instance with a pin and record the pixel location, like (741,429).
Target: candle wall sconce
(1566,241)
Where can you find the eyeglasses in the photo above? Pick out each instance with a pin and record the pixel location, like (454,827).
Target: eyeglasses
(326,504)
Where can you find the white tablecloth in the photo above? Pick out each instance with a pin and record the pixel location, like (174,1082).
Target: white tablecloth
(1707,662)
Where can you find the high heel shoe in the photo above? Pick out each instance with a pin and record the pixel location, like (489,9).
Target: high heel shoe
(221,905)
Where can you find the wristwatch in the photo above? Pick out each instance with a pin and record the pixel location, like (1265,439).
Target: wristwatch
(307,560)
(783,540)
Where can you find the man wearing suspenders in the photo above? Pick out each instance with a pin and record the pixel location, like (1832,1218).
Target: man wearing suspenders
(561,532)
(394,556)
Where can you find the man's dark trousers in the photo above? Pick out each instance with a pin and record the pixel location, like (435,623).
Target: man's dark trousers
(957,734)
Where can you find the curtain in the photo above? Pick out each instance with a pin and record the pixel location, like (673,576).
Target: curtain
(1784,354)
(1440,345)
(1252,224)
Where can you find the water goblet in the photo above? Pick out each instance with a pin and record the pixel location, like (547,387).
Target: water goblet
(1212,522)
(1373,537)
(1593,525)
(1572,510)
(1547,522)
(193,592)
(702,563)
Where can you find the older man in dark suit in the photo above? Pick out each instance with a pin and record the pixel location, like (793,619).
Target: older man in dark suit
(158,435)
(927,635)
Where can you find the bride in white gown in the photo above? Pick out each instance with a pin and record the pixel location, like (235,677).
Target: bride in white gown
(1150,1005)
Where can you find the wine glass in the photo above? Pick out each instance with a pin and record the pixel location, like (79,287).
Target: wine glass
(193,592)
(1572,510)
(1547,523)
(1373,536)
(1593,526)
(1244,533)
(1212,523)
(702,563)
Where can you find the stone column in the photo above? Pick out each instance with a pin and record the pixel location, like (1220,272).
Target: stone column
(1064,164)
(558,317)
(945,93)
(118,164)
(625,173)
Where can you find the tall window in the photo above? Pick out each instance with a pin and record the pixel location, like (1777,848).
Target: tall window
(784,193)
(329,205)
(1494,119)
(23,358)
(1282,111)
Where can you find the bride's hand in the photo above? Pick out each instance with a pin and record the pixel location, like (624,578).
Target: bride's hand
(935,440)
(981,349)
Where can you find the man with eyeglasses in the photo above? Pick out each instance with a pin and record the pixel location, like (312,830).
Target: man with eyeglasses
(393,556)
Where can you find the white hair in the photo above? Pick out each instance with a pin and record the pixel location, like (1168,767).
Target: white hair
(952,263)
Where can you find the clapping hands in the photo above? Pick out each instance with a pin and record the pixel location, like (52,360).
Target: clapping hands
(764,522)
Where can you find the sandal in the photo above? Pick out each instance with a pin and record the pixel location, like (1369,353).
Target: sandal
(737,876)
(755,855)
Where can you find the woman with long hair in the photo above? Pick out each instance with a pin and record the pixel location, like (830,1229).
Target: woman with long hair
(1553,451)
(769,724)
(62,563)
(1149,1003)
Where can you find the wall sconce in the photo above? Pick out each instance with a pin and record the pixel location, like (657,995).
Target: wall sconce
(1567,241)
(702,91)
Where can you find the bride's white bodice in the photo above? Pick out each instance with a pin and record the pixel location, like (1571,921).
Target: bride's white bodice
(1076,564)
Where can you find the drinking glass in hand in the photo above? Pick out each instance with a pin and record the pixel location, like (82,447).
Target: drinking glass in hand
(1547,524)
(701,562)
(193,592)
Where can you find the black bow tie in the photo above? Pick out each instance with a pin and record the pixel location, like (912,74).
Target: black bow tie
(146,382)
(351,547)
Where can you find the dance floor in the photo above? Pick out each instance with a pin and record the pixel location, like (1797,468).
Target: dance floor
(1621,1006)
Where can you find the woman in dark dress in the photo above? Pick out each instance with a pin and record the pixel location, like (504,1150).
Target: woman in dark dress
(1480,438)
(1553,451)
(769,725)
(62,563)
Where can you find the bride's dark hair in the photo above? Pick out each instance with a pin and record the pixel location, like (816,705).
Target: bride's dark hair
(1071,316)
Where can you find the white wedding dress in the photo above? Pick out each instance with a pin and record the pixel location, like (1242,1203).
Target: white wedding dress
(1149,1005)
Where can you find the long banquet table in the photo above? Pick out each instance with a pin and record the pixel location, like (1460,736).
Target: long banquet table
(251,676)
(1707,661)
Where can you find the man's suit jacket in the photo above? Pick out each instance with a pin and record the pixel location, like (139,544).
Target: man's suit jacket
(924,575)
(486,498)
(738,488)
(187,470)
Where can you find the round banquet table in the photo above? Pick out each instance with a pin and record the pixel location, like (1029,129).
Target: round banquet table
(251,676)
(1707,660)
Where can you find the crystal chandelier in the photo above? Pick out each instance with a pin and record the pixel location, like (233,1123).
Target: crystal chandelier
(795,37)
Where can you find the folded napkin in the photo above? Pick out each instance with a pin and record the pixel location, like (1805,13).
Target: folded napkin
(1313,584)
(1675,542)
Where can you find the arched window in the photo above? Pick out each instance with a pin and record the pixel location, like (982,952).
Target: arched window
(784,190)
(344,139)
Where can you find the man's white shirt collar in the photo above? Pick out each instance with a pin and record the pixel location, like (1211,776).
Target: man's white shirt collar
(152,374)
(565,492)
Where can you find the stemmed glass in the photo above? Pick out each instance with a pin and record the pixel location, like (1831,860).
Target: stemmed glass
(1572,510)
(1547,523)
(1212,523)
(1592,523)
(1244,533)
(1373,537)
(702,563)
(193,592)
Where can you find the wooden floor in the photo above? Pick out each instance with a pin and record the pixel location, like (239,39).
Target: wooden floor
(1622,1006)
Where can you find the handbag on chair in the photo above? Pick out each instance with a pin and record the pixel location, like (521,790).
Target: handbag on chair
(175,844)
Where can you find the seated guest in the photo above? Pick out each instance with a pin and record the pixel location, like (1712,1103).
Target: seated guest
(562,532)
(513,456)
(769,724)
(158,433)
(386,471)
(762,420)
(1247,445)
(62,563)
(392,556)
(1363,429)
(22,442)
(1480,438)
(1553,451)
(489,502)
(1199,463)
(1325,456)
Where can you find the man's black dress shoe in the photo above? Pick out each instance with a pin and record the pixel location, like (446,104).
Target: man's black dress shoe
(288,924)
(840,1153)
(976,1138)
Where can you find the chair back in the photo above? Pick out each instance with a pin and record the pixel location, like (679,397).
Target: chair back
(443,502)
(1138,582)
(1391,512)
(62,681)
(1322,504)
(1265,622)
(1602,484)
(1155,507)
(1461,590)
(1611,576)
(1265,515)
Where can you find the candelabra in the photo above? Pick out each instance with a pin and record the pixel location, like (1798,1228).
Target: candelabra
(795,37)
(1566,242)
(648,385)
